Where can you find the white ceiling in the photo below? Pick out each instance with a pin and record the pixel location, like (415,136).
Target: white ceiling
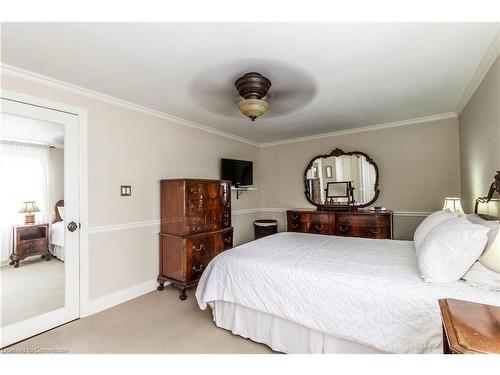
(325,77)
(25,129)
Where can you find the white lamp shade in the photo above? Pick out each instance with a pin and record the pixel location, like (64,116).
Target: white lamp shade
(453,204)
(29,207)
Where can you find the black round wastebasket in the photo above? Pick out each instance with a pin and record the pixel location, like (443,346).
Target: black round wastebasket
(265,227)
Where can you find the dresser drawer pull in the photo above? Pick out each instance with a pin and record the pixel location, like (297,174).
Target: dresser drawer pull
(375,231)
(195,191)
(196,229)
(197,269)
(226,215)
(227,240)
(317,227)
(196,220)
(343,228)
(294,217)
(226,223)
(295,226)
(199,248)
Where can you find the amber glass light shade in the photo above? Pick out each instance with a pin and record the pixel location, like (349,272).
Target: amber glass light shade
(253,108)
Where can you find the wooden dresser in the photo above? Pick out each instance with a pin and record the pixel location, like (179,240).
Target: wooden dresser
(359,223)
(195,227)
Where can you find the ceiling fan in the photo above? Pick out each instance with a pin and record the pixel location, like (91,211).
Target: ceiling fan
(252,87)
(255,96)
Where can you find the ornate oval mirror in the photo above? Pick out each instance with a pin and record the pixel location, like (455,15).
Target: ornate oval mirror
(341,180)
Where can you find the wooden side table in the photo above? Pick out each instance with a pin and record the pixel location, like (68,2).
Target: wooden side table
(30,240)
(470,327)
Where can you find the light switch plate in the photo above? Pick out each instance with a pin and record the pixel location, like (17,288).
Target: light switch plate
(126,190)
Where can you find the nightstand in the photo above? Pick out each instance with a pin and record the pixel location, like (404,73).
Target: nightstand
(30,240)
(469,327)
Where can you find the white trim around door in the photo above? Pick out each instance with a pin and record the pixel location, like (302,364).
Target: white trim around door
(81,113)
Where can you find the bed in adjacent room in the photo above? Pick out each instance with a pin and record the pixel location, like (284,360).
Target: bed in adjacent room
(309,293)
(56,238)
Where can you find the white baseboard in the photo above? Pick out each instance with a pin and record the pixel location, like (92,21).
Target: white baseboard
(106,302)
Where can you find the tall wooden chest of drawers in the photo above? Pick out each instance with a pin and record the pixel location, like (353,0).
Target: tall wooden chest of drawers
(195,227)
(359,223)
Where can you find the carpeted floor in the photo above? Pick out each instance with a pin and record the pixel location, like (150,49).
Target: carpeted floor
(35,288)
(158,322)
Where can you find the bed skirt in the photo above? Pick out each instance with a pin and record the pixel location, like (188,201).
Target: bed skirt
(279,334)
(57,251)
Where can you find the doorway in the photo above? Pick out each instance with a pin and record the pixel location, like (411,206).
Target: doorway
(40,216)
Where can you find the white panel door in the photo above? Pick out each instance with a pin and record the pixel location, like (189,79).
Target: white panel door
(28,115)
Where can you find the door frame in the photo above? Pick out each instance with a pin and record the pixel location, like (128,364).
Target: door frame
(82,114)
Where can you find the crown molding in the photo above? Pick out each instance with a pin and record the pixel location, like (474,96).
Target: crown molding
(48,81)
(418,120)
(489,58)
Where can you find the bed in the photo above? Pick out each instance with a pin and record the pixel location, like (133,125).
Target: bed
(309,293)
(56,238)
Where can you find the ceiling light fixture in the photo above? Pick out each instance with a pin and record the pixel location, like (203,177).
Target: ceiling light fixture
(252,87)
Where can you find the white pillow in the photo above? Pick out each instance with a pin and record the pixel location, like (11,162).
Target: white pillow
(429,223)
(481,277)
(491,255)
(450,249)
(492,225)
(60,209)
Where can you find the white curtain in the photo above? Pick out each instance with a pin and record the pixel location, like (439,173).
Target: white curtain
(24,177)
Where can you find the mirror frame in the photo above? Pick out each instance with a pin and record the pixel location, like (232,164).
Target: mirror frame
(338,152)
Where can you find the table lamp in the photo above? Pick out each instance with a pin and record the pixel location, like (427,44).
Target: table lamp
(28,208)
(453,204)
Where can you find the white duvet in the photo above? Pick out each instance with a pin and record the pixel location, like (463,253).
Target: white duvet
(363,290)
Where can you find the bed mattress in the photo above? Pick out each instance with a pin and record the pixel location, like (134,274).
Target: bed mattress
(362,290)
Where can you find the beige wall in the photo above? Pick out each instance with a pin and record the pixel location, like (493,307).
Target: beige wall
(480,141)
(419,166)
(132,148)
(56,175)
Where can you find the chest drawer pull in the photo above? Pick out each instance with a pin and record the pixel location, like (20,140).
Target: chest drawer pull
(226,215)
(195,208)
(199,248)
(227,240)
(196,190)
(375,231)
(317,226)
(294,217)
(197,269)
(226,223)
(294,225)
(196,229)
(343,228)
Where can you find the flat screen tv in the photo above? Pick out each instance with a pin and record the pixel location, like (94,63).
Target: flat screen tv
(239,172)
